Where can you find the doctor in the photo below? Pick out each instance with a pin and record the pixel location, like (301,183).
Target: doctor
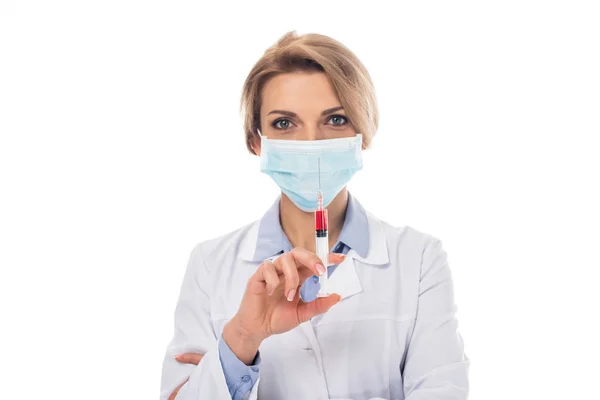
(248,323)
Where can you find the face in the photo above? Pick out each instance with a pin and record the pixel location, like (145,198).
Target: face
(302,106)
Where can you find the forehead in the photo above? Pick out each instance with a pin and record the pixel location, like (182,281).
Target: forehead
(298,92)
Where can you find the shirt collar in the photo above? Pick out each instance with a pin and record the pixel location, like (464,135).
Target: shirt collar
(272,240)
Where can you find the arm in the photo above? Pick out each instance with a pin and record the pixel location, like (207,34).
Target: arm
(270,305)
(435,365)
(215,376)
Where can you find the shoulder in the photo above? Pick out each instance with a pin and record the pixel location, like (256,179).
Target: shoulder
(216,266)
(404,236)
(410,248)
(230,243)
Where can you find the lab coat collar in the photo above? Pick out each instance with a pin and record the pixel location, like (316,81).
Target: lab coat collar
(355,231)
(362,232)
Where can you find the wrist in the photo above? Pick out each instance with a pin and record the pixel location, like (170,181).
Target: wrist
(241,342)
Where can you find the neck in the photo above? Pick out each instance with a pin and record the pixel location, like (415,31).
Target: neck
(299,226)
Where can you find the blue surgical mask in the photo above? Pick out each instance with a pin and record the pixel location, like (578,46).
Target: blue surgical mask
(294,166)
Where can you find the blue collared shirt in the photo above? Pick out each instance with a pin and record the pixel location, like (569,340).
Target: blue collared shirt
(272,241)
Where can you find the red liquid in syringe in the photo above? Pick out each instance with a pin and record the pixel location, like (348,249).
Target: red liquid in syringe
(321,218)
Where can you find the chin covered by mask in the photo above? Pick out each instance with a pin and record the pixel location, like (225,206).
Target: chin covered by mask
(294,165)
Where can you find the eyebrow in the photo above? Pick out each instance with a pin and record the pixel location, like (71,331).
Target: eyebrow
(294,115)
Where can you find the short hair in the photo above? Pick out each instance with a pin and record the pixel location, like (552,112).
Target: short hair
(313,52)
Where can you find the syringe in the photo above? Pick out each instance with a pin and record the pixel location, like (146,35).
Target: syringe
(322,238)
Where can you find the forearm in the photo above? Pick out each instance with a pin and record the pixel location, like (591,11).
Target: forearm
(244,346)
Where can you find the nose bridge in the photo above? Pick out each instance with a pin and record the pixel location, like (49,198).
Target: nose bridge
(314,132)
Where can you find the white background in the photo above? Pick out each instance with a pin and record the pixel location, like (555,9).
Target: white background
(121,148)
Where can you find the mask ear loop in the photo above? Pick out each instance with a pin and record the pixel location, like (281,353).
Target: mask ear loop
(260,135)
(362,141)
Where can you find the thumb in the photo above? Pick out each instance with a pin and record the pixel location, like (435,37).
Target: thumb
(319,306)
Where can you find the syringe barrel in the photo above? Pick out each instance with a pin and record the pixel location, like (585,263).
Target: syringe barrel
(322,244)
(323,254)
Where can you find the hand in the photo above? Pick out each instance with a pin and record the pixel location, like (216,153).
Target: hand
(271,303)
(186,358)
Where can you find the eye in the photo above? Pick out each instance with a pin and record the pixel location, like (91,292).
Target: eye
(338,120)
(282,123)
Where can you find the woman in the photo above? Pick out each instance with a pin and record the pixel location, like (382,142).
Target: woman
(249,324)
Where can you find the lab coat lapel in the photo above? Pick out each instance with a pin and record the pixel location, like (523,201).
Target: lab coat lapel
(344,280)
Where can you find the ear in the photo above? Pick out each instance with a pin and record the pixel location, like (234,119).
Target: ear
(256,144)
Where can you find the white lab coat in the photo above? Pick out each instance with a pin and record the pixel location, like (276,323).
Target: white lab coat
(392,336)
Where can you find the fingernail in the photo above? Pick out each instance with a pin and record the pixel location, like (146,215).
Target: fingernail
(270,290)
(341,255)
(291,294)
(177,357)
(321,269)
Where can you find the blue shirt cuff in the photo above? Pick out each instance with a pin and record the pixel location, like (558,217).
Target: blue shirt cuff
(239,377)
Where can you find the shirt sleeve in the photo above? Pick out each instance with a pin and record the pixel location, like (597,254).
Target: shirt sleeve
(240,377)
(194,333)
(435,365)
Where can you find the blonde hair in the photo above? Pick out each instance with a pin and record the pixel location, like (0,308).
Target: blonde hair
(313,52)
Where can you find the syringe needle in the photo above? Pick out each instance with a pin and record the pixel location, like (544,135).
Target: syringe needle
(319,171)
(322,237)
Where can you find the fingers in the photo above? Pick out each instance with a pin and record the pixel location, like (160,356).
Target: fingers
(268,273)
(290,272)
(189,358)
(295,267)
(186,358)
(321,305)
(305,258)
(174,394)
(304,274)
(298,265)
(286,266)
(336,258)
(311,261)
